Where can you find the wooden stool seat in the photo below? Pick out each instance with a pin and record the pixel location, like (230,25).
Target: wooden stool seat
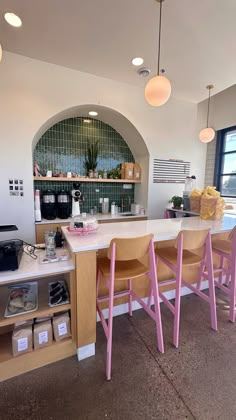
(222,245)
(124,270)
(170,254)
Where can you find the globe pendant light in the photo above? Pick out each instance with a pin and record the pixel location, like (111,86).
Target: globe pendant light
(158,88)
(207,134)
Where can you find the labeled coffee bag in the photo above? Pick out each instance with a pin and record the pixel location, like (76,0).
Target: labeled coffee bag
(61,326)
(22,339)
(129,169)
(42,334)
(137,172)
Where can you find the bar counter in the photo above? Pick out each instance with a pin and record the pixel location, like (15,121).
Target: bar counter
(86,249)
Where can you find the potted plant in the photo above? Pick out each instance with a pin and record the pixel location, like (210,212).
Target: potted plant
(115,172)
(91,158)
(177,201)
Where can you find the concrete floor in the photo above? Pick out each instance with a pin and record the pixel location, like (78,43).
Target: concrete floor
(197,381)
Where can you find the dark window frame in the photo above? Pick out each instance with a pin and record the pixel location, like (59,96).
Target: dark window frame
(219,159)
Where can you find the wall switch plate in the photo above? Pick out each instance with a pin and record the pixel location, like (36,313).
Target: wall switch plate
(127,186)
(97,190)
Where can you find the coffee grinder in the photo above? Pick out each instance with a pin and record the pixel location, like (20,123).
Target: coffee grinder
(76,198)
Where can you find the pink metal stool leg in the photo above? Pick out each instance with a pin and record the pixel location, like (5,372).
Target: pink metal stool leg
(110,317)
(211,282)
(178,293)
(130,297)
(233,281)
(154,288)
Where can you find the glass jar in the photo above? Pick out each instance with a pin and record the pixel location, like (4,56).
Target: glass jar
(50,245)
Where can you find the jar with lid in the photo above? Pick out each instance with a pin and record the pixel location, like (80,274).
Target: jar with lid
(113,208)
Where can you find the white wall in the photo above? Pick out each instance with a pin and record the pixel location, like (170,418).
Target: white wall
(32,92)
(222,115)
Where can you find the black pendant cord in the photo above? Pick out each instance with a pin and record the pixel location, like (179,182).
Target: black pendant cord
(159,41)
(208,108)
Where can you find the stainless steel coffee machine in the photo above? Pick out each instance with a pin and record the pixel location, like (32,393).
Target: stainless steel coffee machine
(77,197)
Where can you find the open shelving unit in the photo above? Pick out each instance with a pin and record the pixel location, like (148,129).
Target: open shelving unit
(83,179)
(11,366)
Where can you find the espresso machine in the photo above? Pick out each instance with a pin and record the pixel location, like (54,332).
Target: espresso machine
(77,197)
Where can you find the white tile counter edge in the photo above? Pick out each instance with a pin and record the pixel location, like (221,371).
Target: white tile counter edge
(30,268)
(162,229)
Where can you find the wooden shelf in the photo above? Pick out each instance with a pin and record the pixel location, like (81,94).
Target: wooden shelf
(64,179)
(43,308)
(12,366)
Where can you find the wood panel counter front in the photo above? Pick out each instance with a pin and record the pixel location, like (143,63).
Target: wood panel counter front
(87,247)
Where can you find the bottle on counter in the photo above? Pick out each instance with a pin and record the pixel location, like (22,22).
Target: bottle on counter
(113,208)
(105,206)
(37,209)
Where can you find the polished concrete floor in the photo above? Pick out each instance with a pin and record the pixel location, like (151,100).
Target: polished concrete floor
(197,381)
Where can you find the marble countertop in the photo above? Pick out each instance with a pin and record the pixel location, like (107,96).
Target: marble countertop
(30,268)
(163,229)
(99,216)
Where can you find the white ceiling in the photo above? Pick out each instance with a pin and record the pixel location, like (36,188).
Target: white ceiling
(102,36)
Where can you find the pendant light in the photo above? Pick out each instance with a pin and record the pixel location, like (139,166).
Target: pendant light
(158,88)
(207,134)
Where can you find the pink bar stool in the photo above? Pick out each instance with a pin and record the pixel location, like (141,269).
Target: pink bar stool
(122,263)
(226,250)
(180,256)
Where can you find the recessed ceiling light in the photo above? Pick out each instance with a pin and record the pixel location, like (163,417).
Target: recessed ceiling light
(137,61)
(93,113)
(13,19)
(86,120)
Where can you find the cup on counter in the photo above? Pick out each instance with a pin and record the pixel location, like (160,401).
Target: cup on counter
(69,174)
(142,211)
(49,174)
(50,245)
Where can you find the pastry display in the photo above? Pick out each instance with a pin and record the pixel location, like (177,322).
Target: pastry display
(22,298)
(58,293)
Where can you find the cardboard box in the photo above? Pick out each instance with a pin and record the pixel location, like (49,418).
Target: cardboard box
(61,326)
(129,170)
(42,334)
(137,172)
(22,339)
(195,204)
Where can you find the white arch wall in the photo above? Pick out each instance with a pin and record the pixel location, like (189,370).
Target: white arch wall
(33,92)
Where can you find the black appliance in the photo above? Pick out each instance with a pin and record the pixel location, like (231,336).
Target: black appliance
(63,205)
(10,254)
(49,205)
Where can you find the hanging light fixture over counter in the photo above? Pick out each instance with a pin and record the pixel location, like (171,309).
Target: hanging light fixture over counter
(158,88)
(207,134)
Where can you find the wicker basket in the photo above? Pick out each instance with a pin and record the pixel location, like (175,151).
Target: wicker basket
(212,208)
(195,204)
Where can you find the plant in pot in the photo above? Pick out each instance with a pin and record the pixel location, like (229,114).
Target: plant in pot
(91,158)
(177,201)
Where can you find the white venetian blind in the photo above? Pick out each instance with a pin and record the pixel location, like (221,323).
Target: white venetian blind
(170,170)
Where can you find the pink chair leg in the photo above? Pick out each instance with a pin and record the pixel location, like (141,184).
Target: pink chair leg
(110,316)
(233,281)
(178,293)
(154,288)
(211,283)
(130,297)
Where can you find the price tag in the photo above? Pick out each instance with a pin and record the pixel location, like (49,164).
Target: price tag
(62,329)
(43,337)
(22,344)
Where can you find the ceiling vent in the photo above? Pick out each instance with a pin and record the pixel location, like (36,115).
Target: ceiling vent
(144,72)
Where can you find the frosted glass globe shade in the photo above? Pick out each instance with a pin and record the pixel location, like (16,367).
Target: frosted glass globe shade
(157,90)
(0,53)
(206,135)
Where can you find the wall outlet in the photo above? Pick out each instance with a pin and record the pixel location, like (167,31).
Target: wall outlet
(97,190)
(127,186)
(100,200)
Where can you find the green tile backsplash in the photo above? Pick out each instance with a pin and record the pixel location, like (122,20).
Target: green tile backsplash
(62,149)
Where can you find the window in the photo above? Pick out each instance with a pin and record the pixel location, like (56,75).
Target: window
(225,168)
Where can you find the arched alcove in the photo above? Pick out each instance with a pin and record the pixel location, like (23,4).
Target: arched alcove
(122,125)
